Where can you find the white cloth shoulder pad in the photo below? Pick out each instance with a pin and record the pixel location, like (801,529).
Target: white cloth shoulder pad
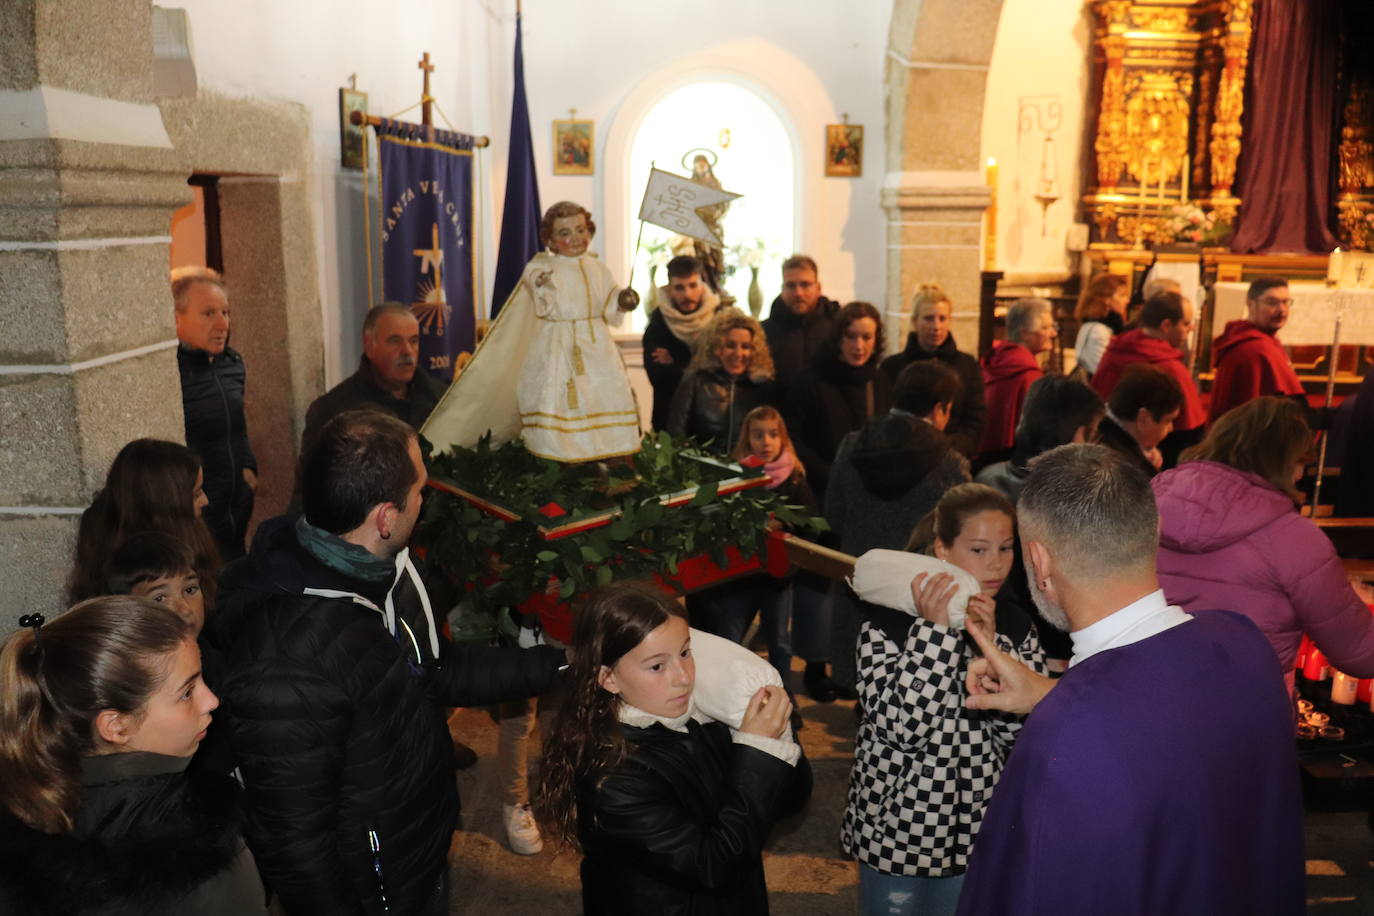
(728,676)
(883,577)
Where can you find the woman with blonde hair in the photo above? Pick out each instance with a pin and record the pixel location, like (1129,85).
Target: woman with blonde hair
(930,338)
(1231,538)
(1101,313)
(731,373)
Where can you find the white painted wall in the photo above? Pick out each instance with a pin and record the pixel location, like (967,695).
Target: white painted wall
(303,51)
(609,59)
(1043,50)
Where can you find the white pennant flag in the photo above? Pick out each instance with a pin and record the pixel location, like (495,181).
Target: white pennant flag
(672,202)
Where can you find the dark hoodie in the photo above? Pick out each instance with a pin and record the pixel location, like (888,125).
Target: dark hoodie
(970,411)
(794,340)
(332,697)
(1250,363)
(886,477)
(1008,371)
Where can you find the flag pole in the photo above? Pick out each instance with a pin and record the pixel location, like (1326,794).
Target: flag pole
(630,283)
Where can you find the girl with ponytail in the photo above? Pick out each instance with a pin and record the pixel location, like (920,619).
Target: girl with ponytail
(100,712)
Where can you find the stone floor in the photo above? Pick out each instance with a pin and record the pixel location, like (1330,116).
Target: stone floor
(806,874)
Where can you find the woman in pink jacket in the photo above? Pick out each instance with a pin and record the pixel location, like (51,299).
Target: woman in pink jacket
(1231,539)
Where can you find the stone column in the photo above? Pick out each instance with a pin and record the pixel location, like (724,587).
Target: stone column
(88,183)
(934,195)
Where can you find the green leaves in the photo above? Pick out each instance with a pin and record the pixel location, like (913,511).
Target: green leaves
(495,564)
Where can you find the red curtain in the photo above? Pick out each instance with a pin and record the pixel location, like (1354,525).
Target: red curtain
(1284,175)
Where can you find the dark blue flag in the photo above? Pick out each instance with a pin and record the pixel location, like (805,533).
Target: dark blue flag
(427,250)
(520,215)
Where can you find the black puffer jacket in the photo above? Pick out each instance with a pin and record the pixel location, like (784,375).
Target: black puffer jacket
(679,827)
(827,402)
(337,723)
(710,404)
(970,411)
(794,340)
(212,402)
(149,840)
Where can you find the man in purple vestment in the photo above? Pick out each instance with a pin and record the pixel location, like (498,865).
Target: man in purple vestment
(1159,774)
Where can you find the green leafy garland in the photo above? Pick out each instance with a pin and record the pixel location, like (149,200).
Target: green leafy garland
(467,546)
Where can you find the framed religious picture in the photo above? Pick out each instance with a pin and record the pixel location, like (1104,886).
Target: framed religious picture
(844,150)
(574,148)
(351,136)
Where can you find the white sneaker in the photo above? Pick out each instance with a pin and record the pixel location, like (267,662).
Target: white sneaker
(522,833)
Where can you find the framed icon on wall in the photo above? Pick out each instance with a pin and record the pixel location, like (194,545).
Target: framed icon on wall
(574,147)
(844,150)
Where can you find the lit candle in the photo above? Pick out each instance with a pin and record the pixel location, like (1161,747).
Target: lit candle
(1343,688)
(1183,195)
(990,239)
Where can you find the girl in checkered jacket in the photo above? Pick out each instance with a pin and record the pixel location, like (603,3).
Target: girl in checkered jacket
(924,766)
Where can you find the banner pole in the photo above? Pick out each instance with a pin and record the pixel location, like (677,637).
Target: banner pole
(630,283)
(367,218)
(1330,395)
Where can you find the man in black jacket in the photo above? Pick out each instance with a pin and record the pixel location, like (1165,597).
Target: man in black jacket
(333,679)
(800,319)
(389,377)
(685,308)
(212,384)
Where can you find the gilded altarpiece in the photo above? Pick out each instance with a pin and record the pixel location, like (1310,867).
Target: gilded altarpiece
(1355,198)
(1170,83)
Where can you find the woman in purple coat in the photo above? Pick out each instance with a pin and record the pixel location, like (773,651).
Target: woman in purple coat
(1231,538)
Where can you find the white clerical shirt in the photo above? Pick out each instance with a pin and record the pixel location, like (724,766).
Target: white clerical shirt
(1137,621)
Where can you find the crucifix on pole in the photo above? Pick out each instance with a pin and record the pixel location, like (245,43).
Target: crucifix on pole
(427,100)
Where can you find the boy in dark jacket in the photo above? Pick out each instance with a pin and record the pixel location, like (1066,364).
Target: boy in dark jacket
(886,477)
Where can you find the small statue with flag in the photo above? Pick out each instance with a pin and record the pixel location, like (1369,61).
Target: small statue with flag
(571,400)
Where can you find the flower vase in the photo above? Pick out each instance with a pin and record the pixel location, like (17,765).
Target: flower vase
(755,294)
(651,297)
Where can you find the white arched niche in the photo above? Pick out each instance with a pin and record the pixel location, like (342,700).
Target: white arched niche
(795,98)
(752,152)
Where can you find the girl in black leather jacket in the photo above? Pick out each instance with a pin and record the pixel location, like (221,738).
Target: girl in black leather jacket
(731,373)
(671,809)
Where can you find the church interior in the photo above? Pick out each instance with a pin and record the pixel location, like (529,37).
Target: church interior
(1001,149)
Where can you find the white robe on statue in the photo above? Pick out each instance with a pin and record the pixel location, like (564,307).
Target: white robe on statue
(573,400)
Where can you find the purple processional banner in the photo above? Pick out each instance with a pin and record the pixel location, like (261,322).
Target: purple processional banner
(427,237)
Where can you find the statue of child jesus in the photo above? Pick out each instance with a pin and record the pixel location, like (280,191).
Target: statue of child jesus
(573,401)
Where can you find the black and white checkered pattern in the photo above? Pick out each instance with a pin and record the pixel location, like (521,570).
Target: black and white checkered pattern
(924,766)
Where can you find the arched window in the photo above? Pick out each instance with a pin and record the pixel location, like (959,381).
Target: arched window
(753,155)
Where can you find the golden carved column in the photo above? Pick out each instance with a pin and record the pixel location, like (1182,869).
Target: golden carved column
(1147,57)
(1234,40)
(1355,203)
